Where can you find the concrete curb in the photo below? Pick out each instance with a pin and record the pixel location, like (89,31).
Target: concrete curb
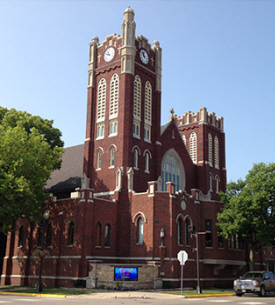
(210,295)
(122,295)
(40,295)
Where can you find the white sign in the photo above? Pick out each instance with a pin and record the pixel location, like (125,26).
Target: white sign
(182,257)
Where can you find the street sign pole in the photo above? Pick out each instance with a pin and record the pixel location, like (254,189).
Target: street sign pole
(181,280)
(182,257)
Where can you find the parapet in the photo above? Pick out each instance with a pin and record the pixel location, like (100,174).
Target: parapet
(201,117)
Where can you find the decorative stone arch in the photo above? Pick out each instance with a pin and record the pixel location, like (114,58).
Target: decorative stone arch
(180,216)
(99,149)
(147,151)
(137,216)
(138,149)
(110,147)
(172,152)
(188,217)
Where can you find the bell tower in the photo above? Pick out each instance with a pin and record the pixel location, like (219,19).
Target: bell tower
(123,110)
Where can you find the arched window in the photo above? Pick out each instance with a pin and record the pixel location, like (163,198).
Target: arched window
(100,130)
(112,157)
(21,237)
(114,96)
(210,149)
(137,98)
(183,139)
(148,103)
(217,184)
(193,147)
(180,227)
(147,162)
(140,230)
(211,182)
(172,170)
(187,226)
(101,100)
(217,157)
(71,234)
(135,158)
(49,235)
(98,234)
(99,156)
(113,127)
(107,236)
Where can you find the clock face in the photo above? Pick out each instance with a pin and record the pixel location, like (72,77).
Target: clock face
(109,54)
(144,57)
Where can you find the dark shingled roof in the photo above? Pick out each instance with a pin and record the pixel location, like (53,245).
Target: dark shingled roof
(69,176)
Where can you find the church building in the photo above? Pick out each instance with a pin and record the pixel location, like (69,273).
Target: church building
(135,194)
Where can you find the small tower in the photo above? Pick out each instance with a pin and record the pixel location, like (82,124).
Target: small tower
(204,138)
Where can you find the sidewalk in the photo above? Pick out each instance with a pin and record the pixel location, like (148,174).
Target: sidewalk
(102,294)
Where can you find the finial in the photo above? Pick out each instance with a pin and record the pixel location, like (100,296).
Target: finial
(172,114)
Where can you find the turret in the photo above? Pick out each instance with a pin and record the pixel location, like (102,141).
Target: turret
(128,50)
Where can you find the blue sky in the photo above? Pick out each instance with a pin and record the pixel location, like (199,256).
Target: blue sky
(216,54)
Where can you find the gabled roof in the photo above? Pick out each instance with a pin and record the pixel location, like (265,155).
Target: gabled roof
(68,177)
(163,128)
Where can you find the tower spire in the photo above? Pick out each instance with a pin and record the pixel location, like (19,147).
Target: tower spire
(128,50)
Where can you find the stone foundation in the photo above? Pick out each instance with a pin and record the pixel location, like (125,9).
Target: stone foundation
(102,275)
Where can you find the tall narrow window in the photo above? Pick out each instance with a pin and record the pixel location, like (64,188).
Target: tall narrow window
(136,129)
(137,107)
(107,236)
(209,233)
(99,156)
(71,234)
(180,227)
(136,158)
(112,157)
(21,237)
(101,100)
(217,184)
(148,103)
(193,147)
(187,226)
(114,96)
(147,162)
(100,130)
(98,234)
(113,127)
(211,182)
(217,157)
(140,230)
(137,98)
(210,149)
(49,235)
(147,133)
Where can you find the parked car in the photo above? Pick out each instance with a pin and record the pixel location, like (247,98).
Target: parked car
(259,282)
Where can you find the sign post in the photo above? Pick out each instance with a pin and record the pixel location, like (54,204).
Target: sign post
(182,257)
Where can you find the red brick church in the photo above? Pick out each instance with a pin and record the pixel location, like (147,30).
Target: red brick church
(136,193)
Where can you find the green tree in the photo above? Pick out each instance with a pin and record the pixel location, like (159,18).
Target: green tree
(30,149)
(249,209)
